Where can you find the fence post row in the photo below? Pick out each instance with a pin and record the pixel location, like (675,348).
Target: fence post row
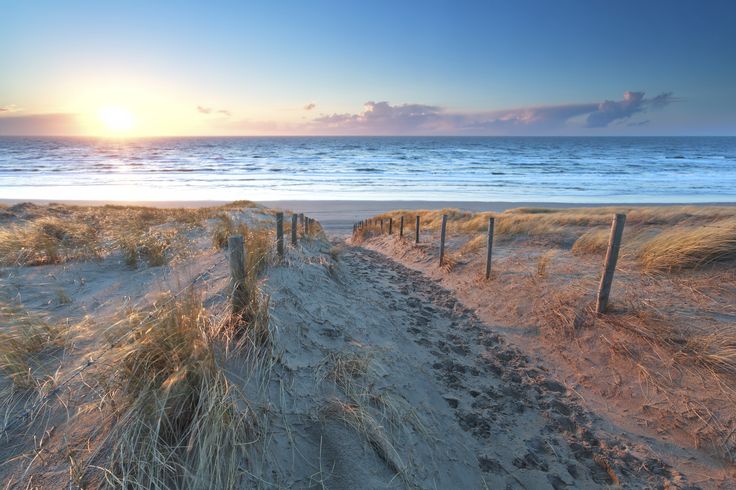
(609,267)
(443,229)
(237,273)
(280,233)
(489,247)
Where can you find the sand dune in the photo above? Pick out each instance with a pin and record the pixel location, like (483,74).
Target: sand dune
(376,369)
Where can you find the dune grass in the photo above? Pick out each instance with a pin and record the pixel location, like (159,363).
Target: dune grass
(54,234)
(662,238)
(691,247)
(24,339)
(259,244)
(178,422)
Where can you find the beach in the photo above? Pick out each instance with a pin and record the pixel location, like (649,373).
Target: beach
(357,360)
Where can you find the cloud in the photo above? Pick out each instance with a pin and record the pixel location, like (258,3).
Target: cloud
(633,103)
(209,110)
(310,106)
(9,108)
(384,118)
(40,124)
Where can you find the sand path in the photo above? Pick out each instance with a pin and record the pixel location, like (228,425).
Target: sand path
(490,418)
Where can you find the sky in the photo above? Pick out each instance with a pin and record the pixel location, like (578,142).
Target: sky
(517,67)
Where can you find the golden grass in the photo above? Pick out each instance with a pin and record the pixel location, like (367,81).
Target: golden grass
(23,341)
(47,240)
(543,263)
(178,422)
(594,241)
(253,305)
(351,372)
(53,234)
(691,247)
(664,238)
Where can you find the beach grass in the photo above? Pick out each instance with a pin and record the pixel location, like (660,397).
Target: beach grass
(178,421)
(58,233)
(24,339)
(662,238)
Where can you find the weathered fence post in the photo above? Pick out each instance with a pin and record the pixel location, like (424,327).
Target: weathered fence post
(416,231)
(443,229)
(401,227)
(489,247)
(280,233)
(237,273)
(381,225)
(614,244)
(306,226)
(293,229)
(390,225)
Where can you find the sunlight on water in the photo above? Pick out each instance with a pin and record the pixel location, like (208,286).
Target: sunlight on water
(467,169)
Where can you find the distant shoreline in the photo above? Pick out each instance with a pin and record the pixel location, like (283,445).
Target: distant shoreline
(337,216)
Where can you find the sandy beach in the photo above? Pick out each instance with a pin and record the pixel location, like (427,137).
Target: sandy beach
(359,362)
(335,246)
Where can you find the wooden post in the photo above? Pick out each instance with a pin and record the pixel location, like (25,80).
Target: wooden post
(609,267)
(401,227)
(237,273)
(381,225)
(489,247)
(306,226)
(416,231)
(390,226)
(280,233)
(443,229)
(293,229)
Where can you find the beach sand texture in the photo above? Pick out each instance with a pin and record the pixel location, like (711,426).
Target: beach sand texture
(359,363)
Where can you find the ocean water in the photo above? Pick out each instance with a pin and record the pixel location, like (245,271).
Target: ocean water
(586,170)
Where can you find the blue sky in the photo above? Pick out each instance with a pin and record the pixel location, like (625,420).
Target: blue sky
(512,67)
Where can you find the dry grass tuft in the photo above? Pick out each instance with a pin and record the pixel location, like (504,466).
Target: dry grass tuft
(450,261)
(47,240)
(543,263)
(565,312)
(359,419)
(593,241)
(690,247)
(715,350)
(344,368)
(473,245)
(53,234)
(23,341)
(178,423)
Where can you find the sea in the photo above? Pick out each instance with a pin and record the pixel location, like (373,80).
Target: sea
(483,169)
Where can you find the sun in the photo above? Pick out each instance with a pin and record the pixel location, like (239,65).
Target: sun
(116,120)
